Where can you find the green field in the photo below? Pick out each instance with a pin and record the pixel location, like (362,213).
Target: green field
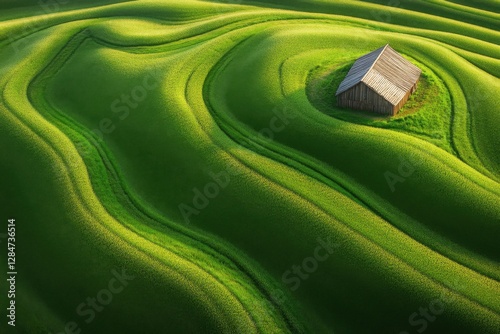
(196,145)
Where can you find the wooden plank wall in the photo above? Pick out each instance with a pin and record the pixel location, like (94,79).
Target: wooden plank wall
(405,99)
(362,97)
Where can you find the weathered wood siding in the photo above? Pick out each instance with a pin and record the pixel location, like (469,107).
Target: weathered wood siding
(362,97)
(400,105)
(381,82)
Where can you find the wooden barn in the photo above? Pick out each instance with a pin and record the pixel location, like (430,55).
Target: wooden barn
(381,81)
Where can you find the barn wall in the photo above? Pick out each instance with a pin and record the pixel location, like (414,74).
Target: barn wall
(404,99)
(362,97)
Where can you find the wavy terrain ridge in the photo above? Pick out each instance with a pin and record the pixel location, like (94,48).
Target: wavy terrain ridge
(116,117)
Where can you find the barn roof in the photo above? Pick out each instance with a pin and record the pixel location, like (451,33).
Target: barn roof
(385,71)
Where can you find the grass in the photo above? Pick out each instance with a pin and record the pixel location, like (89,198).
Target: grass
(86,204)
(431,100)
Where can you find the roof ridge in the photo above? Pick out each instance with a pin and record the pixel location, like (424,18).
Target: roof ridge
(374,62)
